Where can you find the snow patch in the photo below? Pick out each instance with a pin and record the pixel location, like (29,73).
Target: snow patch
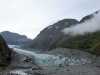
(50,27)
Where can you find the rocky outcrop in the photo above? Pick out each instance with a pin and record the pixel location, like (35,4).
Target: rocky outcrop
(52,33)
(14,38)
(5,53)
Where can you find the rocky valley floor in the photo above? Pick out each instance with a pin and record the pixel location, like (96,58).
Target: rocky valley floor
(24,65)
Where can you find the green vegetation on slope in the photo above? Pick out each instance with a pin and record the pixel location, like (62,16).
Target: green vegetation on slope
(5,54)
(89,42)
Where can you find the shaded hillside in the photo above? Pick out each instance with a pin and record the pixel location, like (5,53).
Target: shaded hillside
(5,54)
(14,38)
(89,42)
(52,34)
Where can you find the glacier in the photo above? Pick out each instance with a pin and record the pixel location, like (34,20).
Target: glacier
(49,59)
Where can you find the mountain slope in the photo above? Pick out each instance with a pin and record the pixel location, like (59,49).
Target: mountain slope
(5,54)
(52,33)
(14,38)
(89,42)
(55,44)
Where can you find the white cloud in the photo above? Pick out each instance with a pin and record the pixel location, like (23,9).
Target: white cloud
(91,25)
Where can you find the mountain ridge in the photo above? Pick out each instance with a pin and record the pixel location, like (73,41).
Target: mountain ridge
(15,38)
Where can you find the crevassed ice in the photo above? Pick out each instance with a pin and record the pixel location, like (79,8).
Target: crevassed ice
(51,60)
(18,72)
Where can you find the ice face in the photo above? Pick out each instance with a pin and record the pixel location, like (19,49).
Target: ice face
(48,60)
(51,60)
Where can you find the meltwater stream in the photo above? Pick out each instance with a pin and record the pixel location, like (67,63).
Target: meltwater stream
(49,60)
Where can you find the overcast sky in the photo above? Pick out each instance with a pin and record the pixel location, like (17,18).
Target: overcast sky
(29,17)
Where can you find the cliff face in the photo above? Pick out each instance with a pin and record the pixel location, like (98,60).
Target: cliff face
(5,54)
(14,38)
(52,33)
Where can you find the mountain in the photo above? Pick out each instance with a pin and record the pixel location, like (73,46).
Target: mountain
(52,33)
(14,38)
(52,37)
(5,54)
(90,42)
(86,18)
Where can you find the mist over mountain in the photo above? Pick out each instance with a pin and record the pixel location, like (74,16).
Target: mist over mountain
(15,38)
(84,36)
(88,24)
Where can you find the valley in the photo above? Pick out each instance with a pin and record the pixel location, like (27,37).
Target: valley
(55,62)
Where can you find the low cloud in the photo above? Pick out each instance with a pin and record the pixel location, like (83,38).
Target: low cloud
(88,26)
